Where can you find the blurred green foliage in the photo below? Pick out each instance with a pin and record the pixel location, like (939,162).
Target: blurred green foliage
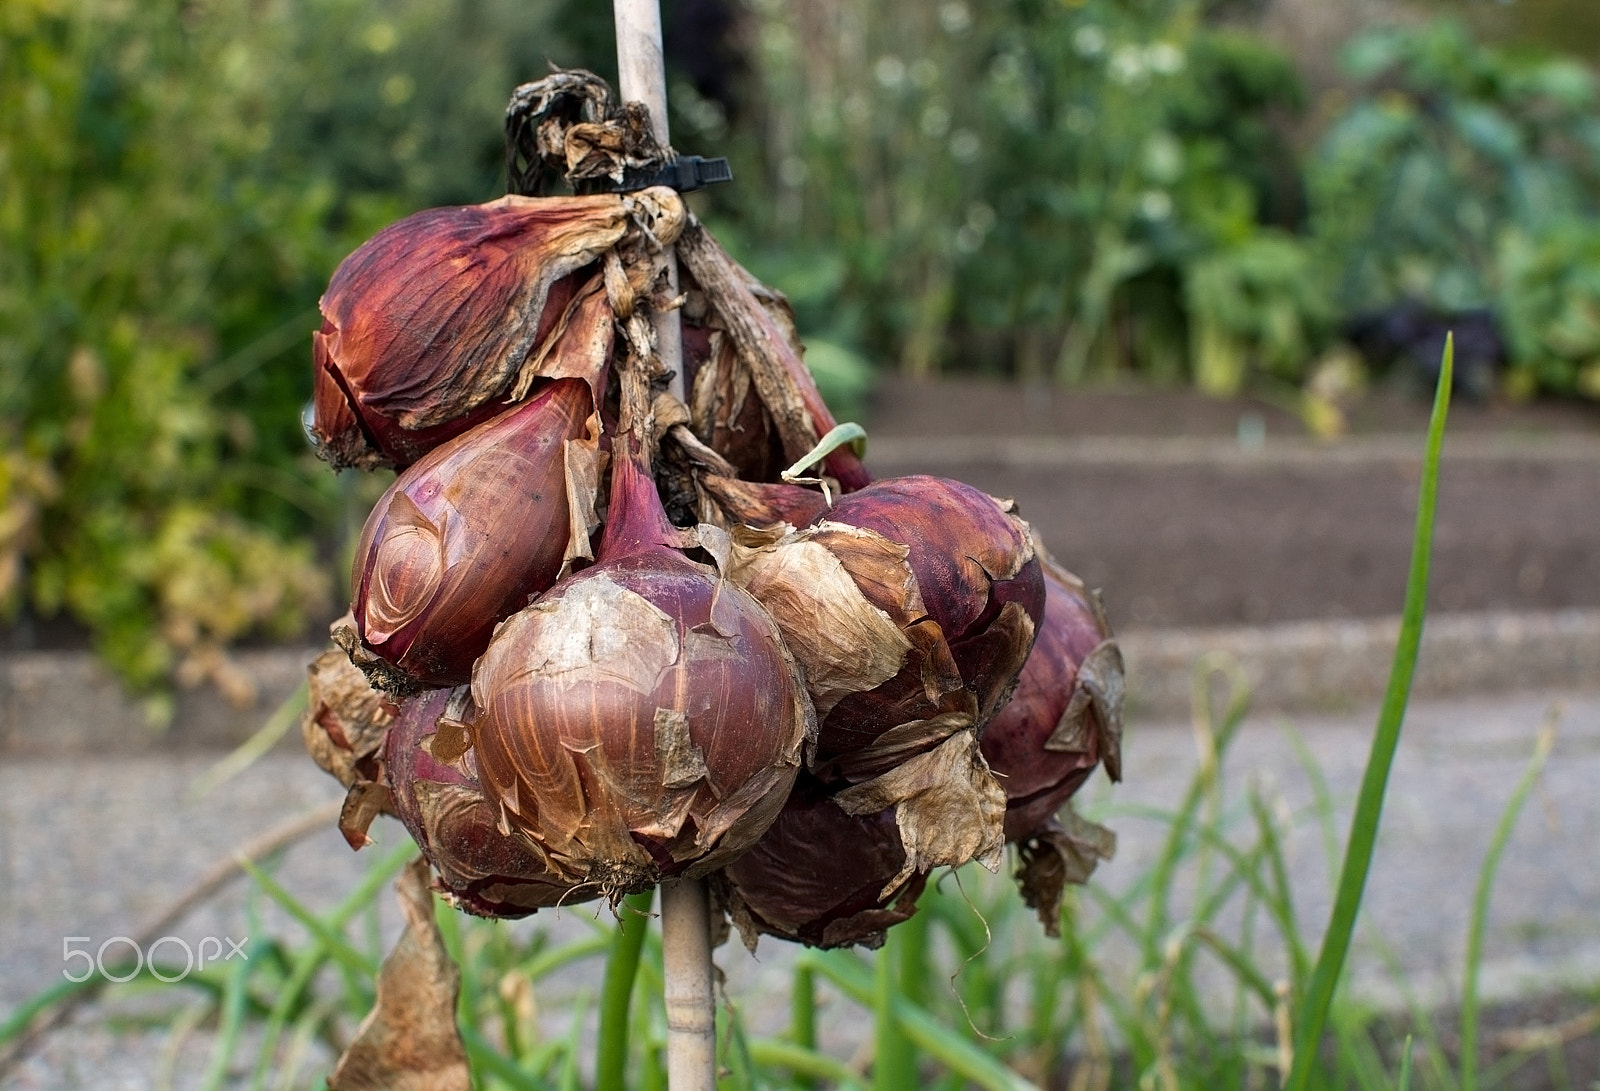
(1468,176)
(1056,190)
(1034,187)
(177,180)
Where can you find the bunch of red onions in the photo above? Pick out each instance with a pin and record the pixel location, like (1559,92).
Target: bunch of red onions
(605,639)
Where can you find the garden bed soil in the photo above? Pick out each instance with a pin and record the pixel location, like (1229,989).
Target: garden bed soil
(1190,511)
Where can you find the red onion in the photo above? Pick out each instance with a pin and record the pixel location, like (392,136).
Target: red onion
(468,534)
(430,321)
(1065,718)
(643,718)
(483,869)
(821,876)
(978,579)
(1066,714)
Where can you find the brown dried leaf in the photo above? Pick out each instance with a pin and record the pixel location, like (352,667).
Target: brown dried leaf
(728,414)
(1002,650)
(1065,851)
(1102,674)
(606,148)
(584,463)
(364,801)
(758,505)
(948,806)
(903,741)
(449,742)
(682,762)
(380,675)
(668,412)
(409,1041)
(1100,687)
(659,214)
(345,720)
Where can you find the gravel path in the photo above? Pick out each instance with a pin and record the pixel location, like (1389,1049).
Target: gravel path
(96,848)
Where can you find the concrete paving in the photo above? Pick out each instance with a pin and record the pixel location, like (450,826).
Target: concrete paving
(95,847)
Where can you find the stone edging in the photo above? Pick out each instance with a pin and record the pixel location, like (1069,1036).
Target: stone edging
(1333,665)
(1054,452)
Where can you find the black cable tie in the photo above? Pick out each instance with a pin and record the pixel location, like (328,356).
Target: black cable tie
(685,173)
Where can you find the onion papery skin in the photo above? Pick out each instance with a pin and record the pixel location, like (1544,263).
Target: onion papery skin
(817,876)
(428,322)
(1047,741)
(467,535)
(346,719)
(643,718)
(481,870)
(726,410)
(979,579)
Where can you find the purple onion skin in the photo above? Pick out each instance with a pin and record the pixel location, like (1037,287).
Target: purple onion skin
(761,504)
(425,324)
(816,876)
(482,871)
(466,536)
(555,720)
(957,535)
(351,433)
(1038,781)
(570,734)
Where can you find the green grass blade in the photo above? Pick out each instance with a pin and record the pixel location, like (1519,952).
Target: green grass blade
(285,1005)
(616,992)
(1281,903)
(1480,900)
(489,1061)
(803,1018)
(894,1063)
(806,1065)
(276,726)
(932,1037)
(230,1023)
(1215,737)
(1321,799)
(19,1020)
(1312,1011)
(326,934)
(547,962)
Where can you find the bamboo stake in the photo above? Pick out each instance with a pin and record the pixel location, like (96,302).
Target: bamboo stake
(642,77)
(685,912)
(686,955)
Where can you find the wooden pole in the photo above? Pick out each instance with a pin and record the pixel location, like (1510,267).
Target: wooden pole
(686,957)
(642,77)
(685,911)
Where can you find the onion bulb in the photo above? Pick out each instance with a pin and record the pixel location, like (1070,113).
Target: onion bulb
(642,719)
